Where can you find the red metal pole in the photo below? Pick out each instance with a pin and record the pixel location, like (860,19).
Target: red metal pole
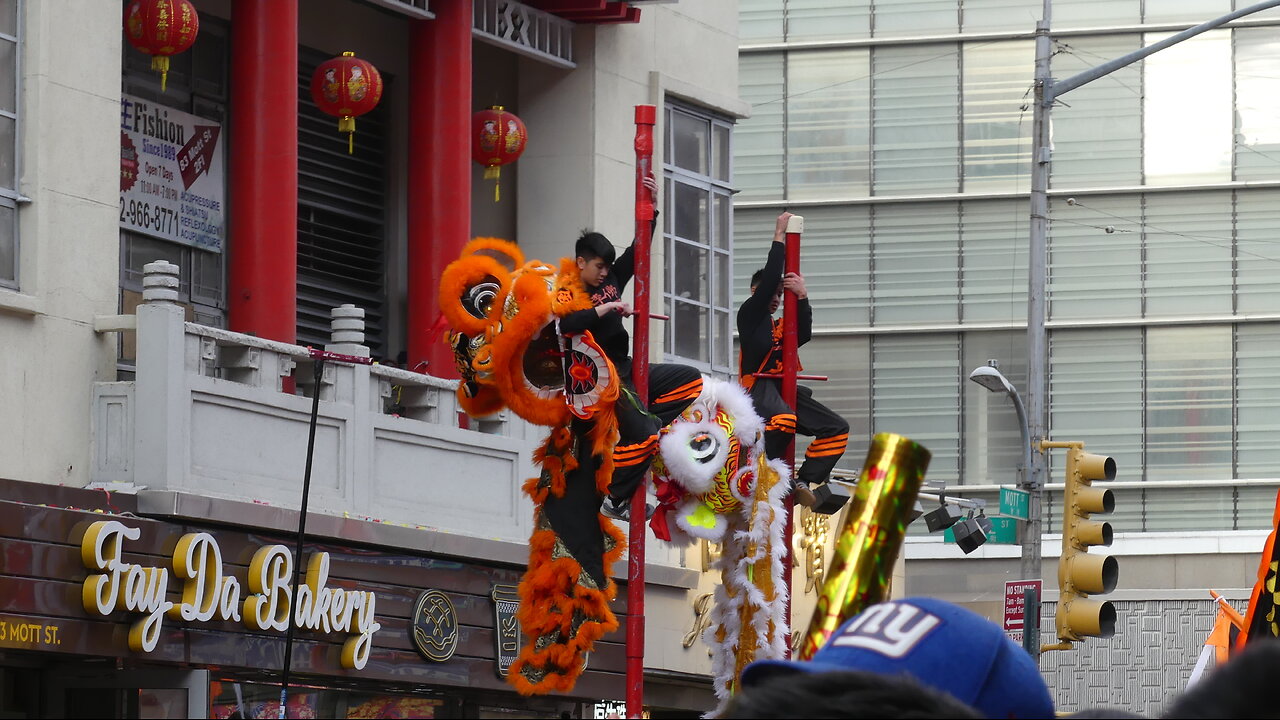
(646,116)
(262,257)
(439,174)
(790,364)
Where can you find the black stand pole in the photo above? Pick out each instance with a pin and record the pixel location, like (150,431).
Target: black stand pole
(302,530)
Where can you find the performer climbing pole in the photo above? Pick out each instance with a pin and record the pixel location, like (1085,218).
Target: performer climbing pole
(790,364)
(646,117)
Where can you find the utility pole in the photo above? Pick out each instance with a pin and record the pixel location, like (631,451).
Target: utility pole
(1047,91)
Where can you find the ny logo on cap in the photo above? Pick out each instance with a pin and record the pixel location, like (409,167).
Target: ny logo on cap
(890,629)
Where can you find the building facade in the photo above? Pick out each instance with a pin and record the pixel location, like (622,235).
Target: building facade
(902,133)
(156,319)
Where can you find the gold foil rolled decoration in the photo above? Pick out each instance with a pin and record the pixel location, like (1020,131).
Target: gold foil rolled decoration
(870,539)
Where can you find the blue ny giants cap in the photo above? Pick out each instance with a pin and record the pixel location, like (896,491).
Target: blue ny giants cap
(940,645)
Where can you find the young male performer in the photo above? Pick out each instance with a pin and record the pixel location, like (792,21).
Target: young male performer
(760,339)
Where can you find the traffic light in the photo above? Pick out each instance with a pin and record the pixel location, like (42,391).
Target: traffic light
(1081,574)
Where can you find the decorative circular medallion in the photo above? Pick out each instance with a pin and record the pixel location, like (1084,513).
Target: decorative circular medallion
(435,626)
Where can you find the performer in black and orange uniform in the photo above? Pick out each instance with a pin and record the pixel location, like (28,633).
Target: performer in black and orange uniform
(671,386)
(760,338)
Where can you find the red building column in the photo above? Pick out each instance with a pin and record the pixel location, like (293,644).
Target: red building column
(262,255)
(439,215)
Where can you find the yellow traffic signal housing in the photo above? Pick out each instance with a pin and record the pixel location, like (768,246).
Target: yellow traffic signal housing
(1081,574)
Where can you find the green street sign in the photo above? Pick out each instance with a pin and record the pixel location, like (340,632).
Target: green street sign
(1015,503)
(1004,531)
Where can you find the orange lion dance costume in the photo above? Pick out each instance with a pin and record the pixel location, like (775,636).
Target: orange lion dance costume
(712,478)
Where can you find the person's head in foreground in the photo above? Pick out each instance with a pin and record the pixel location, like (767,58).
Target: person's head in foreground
(911,658)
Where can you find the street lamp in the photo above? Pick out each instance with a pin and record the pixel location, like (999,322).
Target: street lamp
(990,378)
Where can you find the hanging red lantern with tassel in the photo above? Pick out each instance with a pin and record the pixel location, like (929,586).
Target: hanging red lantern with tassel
(161,28)
(497,138)
(346,87)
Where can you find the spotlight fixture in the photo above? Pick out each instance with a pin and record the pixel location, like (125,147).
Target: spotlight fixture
(943,516)
(971,533)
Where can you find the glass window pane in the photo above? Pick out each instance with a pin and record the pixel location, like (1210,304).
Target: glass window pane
(689,326)
(835,260)
(1094,13)
(1258,401)
(9,17)
(994,15)
(916,257)
(721,232)
(8,245)
(1255,507)
(722,278)
(827,20)
(992,429)
(720,148)
(8,129)
(1192,11)
(690,280)
(916,393)
(1188,82)
(1183,509)
(997,77)
(1257,227)
(1097,138)
(993,240)
(690,212)
(8,78)
(917,130)
(689,142)
(845,360)
(758,162)
(1093,273)
(1095,395)
(752,233)
(916,17)
(1188,247)
(760,20)
(1257,104)
(722,342)
(828,123)
(1189,397)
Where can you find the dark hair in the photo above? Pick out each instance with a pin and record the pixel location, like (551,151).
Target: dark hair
(1240,688)
(755,277)
(592,245)
(844,694)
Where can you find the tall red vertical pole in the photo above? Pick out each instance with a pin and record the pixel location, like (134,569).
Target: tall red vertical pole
(646,116)
(439,175)
(790,365)
(262,256)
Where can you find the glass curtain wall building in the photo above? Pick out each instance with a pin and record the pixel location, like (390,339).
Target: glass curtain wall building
(901,132)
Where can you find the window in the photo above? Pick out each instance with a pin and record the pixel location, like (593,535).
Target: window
(1189,82)
(697,228)
(9,196)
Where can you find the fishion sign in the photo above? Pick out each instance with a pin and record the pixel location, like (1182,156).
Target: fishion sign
(207,594)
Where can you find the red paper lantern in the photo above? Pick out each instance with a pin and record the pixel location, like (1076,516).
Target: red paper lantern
(497,138)
(346,87)
(161,28)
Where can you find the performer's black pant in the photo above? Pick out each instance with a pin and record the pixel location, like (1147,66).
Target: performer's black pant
(830,432)
(672,388)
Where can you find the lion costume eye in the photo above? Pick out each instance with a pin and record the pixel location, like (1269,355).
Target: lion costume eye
(478,282)
(703,447)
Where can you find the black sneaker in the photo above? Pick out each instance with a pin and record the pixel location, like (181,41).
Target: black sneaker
(621,510)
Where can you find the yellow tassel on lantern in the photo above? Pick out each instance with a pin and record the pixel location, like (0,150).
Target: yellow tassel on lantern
(161,64)
(494,172)
(347,124)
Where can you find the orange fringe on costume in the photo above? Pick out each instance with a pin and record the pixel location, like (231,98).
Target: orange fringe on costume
(552,600)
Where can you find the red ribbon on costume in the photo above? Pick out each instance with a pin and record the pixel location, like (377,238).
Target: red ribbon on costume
(668,494)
